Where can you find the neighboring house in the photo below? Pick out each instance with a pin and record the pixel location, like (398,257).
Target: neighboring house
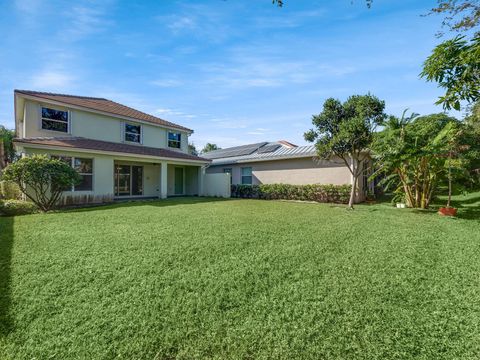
(119,152)
(282,162)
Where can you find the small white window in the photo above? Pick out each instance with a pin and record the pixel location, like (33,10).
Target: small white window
(174,140)
(133,133)
(246,176)
(54,120)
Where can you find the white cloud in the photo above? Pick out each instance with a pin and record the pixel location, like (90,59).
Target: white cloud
(255,133)
(168,112)
(52,80)
(86,18)
(242,70)
(166,83)
(179,23)
(28,6)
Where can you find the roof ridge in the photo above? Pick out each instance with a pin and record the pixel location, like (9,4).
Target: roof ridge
(59,94)
(105,105)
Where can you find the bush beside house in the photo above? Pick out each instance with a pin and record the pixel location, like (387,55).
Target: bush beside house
(17,207)
(315,192)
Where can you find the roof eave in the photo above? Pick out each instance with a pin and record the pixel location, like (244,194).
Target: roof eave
(29,145)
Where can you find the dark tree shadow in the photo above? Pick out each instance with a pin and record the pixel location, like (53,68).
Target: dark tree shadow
(6,243)
(171,201)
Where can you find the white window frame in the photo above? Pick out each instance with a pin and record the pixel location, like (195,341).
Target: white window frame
(250,176)
(72,165)
(178,141)
(125,132)
(69,117)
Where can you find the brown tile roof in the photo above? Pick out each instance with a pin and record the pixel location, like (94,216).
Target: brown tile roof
(286,143)
(98,145)
(104,105)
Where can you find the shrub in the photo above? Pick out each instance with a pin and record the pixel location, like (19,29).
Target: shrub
(316,192)
(42,179)
(10,191)
(17,207)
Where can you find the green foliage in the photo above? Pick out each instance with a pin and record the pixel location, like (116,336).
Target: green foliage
(210,147)
(346,130)
(416,154)
(41,179)
(9,190)
(6,136)
(455,66)
(192,150)
(316,192)
(17,207)
(473,117)
(460,15)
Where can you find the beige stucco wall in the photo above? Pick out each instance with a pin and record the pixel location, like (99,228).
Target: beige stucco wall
(94,126)
(300,171)
(102,171)
(103,174)
(217,184)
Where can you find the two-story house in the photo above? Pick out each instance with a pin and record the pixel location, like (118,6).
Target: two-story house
(119,152)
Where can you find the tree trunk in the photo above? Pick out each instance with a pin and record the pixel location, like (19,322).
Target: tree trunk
(353,192)
(2,155)
(449,186)
(353,170)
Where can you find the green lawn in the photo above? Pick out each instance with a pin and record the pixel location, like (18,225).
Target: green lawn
(241,279)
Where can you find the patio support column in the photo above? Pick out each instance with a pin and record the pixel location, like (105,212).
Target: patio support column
(201,172)
(163,180)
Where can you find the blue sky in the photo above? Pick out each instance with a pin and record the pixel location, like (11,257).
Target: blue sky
(235,71)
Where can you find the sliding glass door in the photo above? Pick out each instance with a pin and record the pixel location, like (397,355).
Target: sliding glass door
(128,180)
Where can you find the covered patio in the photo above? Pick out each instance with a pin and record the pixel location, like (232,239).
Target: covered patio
(136,179)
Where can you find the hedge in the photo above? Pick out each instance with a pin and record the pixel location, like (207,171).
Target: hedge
(9,190)
(316,192)
(17,207)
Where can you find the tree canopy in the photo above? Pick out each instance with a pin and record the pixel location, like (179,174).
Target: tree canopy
(345,130)
(460,16)
(210,147)
(455,66)
(7,135)
(417,155)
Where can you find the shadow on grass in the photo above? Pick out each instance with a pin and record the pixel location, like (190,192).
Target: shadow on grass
(173,201)
(6,243)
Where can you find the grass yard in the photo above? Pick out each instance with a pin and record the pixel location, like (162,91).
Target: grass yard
(241,279)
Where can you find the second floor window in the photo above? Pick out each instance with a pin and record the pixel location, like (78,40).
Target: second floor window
(54,120)
(133,133)
(174,140)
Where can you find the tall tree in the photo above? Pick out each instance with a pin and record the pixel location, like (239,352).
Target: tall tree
(460,15)
(7,135)
(345,131)
(423,153)
(455,66)
(192,150)
(210,147)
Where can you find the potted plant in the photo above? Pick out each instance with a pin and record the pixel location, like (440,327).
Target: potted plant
(370,197)
(448,210)
(399,200)
(454,150)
